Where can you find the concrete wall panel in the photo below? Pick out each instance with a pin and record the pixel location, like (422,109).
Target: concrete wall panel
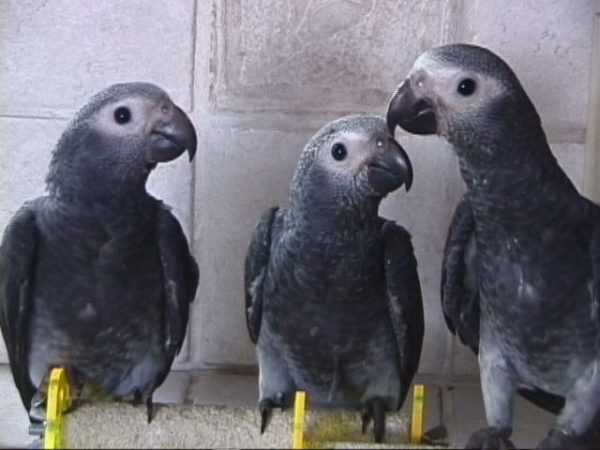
(306,56)
(56,53)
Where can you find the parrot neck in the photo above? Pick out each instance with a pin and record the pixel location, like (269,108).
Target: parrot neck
(116,214)
(80,172)
(118,198)
(109,198)
(517,190)
(311,208)
(85,184)
(316,199)
(334,218)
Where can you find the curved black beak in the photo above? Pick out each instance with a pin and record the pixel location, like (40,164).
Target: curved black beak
(171,137)
(411,112)
(390,169)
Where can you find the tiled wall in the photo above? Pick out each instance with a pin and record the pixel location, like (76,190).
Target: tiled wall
(258,78)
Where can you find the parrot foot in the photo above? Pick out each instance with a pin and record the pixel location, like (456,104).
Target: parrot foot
(138,398)
(559,438)
(149,408)
(491,438)
(266,409)
(37,411)
(37,408)
(77,382)
(374,409)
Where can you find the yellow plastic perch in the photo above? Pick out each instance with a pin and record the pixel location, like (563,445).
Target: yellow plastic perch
(418,413)
(299,440)
(299,420)
(58,401)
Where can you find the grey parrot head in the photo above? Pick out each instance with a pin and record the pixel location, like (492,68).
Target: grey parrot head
(118,137)
(464,93)
(351,162)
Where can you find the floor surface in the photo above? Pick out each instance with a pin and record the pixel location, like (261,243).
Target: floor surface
(219,410)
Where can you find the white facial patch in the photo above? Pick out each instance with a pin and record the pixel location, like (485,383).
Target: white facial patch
(439,82)
(358,147)
(142,113)
(429,66)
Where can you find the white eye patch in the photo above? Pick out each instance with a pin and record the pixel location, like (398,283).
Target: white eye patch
(357,146)
(125,118)
(446,85)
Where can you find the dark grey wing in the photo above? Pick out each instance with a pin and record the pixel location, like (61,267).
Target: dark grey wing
(255,269)
(460,291)
(555,403)
(404,300)
(180,277)
(17,267)
(595,254)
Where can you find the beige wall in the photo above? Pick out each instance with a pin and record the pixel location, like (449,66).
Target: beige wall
(259,77)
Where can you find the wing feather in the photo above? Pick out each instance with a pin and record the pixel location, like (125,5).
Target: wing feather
(460,292)
(255,269)
(17,268)
(180,277)
(404,300)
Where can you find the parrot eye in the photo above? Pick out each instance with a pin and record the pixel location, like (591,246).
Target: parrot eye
(122,115)
(466,87)
(338,151)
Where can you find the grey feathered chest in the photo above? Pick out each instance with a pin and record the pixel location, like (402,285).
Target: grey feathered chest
(336,265)
(109,274)
(535,279)
(325,307)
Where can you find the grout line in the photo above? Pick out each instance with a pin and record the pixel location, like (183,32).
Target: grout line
(192,210)
(193,55)
(592,159)
(59,117)
(192,183)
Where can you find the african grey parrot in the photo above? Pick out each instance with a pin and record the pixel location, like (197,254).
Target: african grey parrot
(521,268)
(96,276)
(333,299)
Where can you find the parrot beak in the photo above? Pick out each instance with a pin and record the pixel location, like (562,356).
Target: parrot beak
(171,138)
(412,112)
(389,169)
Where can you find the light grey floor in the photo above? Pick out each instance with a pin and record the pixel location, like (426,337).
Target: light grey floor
(220,411)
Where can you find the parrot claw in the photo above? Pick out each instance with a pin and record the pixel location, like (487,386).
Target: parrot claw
(150,408)
(138,398)
(561,438)
(491,438)
(266,411)
(37,411)
(365,415)
(266,406)
(374,409)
